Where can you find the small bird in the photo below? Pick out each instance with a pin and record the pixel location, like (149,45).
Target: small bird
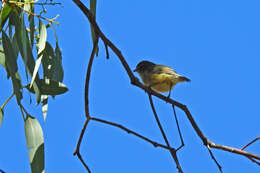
(160,78)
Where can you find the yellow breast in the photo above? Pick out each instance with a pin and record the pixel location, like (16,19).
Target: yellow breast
(163,82)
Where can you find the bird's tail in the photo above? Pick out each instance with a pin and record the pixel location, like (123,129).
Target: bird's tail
(184,79)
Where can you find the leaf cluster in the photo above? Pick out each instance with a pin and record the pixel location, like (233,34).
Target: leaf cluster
(24,35)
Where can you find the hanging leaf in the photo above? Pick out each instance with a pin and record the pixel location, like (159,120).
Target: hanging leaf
(32,27)
(93,5)
(12,66)
(27,5)
(2,57)
(26,52)
(44,100)
(48,70)
(50,87)
(48,61)
(6,9)
(15,47)
(35,144)
(41,46)
(59,73)
(52,69)
(1,116)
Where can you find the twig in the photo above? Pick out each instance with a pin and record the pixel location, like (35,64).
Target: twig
(77,151)
(82,161)
(81,136)
(173,152)
(107,53)
(178,127)
(88,76)
(233,150)
(8,99)
(251,142)
(34,2)
(49,3)
(155,144)
(17,4)
(254,161)
(44,18)
(212,156)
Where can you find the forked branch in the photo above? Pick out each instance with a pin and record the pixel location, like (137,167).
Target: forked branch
(134,81)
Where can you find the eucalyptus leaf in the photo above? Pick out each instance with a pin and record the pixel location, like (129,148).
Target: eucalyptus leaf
(49,87)
(48,61)
(32,27)
(6,9)
(2,56)
(52,63)
(35,144)
(59,73)
(41,45)
(12,66)
(27,5)
(44,100)
(26,52)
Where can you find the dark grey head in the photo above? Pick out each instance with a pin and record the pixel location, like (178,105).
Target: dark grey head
(144,66)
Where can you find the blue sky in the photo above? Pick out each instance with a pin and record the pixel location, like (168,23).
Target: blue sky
(214,43)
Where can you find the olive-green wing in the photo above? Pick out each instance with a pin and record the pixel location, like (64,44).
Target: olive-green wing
(159,69)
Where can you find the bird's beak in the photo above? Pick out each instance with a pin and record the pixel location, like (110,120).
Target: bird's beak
(135,70)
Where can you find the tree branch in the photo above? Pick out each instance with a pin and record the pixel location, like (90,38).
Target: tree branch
(136,82)
(173,152)
(155,144)
(77,151)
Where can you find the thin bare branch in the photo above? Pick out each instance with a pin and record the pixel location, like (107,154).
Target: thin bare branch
(77,150)
(107,53)
(88,76)
(8,99)
(254,161)
(251,142)
(82,161)
(233,150)
(214,159)
(178,127)
(155,144)
(81,136)
(173,152)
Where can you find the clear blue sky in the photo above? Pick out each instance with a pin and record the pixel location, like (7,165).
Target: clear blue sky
(214,43)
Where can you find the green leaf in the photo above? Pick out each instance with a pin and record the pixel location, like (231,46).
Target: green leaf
(50,87)
(52,63)
(27,5)
(35,144)
(15,47)
(52,69)
(1,116)
(32,27)
(59,73)
(12,66)
(2,57)
(93,5)
(41,45)
(6,9)
(44,100)
(48,61)
(42,37)
(26,52)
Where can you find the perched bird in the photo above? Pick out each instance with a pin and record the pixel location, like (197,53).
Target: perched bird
(160,78)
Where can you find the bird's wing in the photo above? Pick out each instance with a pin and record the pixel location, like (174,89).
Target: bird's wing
(158,69)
